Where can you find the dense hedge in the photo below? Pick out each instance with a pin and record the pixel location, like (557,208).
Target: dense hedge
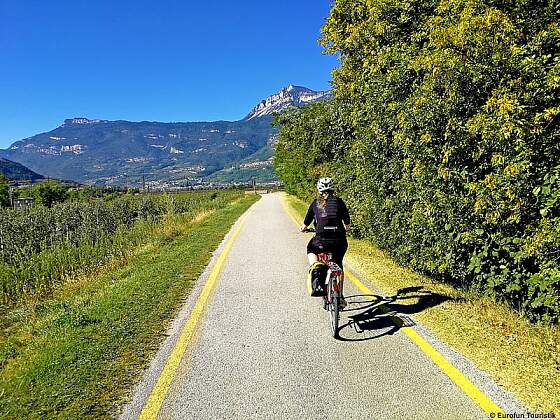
(444,139)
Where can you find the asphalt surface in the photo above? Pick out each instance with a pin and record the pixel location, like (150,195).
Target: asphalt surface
(264,348)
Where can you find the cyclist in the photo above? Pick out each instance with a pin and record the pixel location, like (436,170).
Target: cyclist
(332,221)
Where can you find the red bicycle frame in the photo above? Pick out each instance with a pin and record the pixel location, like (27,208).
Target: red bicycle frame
(335,270)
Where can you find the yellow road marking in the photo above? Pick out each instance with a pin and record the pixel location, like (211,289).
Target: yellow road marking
(481,399)
(159,392)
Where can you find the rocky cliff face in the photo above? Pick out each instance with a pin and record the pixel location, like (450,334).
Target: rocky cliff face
(81,121)
(288,97)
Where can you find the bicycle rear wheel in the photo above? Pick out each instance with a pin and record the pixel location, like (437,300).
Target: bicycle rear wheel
(334,315)
(333,307)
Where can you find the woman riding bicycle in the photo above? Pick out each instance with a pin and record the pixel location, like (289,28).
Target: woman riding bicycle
(330,216)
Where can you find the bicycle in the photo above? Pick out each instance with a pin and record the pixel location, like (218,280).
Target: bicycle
(333,283)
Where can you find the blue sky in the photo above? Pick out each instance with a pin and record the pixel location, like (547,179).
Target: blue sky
(140,60)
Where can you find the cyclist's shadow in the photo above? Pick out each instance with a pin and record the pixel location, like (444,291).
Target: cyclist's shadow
(374,316)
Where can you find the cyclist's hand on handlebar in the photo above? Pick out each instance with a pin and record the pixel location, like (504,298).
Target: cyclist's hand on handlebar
(306,229)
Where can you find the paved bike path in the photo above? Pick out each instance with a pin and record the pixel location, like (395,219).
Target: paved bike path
(264,349)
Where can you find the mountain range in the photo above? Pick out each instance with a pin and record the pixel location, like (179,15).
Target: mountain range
(164,155)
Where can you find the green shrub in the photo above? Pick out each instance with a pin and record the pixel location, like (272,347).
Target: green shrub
(312,138)
(453,162)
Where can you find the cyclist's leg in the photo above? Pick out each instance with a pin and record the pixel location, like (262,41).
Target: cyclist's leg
(312,252)
(338,251)
(338,256)
(317,269)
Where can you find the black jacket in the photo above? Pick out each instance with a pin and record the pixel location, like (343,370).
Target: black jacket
(329,221)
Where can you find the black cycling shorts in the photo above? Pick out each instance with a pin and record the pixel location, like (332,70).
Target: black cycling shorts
(336,247)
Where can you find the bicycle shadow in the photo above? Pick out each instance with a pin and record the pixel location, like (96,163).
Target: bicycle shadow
(374,316)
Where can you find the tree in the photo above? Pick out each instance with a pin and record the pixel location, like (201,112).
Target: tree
(4,192)
(49,193)
(312,141)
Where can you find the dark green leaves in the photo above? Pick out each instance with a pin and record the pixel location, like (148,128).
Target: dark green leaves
(452,162)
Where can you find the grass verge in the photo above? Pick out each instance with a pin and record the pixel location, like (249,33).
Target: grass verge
(78,354)
(522,357)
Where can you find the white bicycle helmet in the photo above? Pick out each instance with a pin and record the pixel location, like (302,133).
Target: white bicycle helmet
(325,184)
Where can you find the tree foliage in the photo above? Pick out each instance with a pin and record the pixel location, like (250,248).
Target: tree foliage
(4,192)
(453,164)
(311,140)
(49,193)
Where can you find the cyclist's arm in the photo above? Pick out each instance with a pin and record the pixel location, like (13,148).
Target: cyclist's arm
(345,216)
(309,217)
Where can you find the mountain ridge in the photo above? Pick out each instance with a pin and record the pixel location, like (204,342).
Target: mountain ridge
(15,171)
